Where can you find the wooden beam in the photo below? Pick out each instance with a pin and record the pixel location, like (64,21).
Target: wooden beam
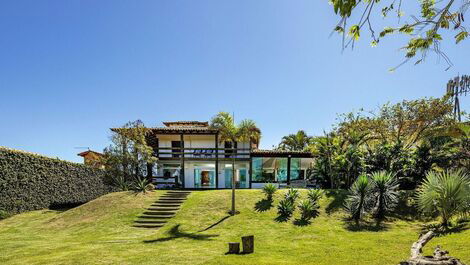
(217,160)
(182,162)
(288,170)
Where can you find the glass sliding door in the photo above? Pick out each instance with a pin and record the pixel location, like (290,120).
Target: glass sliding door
(204,177)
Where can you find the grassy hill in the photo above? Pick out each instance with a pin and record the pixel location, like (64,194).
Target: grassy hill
(101,232)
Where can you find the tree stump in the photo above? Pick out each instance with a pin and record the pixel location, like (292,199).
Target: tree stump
(233,248)
(248,244)
(439,258)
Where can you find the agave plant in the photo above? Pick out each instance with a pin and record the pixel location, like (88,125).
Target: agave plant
(285,208)
(269,190)
(140,184)
(384,193)
(121,183)
(446,193)
(308,209)
(358,201)
(314,195)
(292,195)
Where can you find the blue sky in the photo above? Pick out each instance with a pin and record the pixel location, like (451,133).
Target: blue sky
(69,70)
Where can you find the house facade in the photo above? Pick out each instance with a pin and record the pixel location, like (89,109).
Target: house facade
(191,156)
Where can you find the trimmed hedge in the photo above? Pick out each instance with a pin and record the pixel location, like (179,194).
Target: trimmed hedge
(31,182)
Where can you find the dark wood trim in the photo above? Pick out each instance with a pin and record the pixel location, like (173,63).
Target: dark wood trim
(217,160)
(250,170)
(189,159)
(182,162)
(288,169)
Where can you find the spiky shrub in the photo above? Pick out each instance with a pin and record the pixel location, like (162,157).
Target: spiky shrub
(358,200)
(140,184)
(314,195)
(285,208)
(121,183)
(384,187)
(292,195)
(308,209)
(445,193)
(269,190)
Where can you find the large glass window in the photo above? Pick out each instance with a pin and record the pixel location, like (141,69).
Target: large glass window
(269,169)
(241,177)
(295,169)
(204,176)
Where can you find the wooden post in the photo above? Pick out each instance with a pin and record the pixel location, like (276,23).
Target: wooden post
(248,244)
(233,248)
(182,159)
(288,169)
(217,160)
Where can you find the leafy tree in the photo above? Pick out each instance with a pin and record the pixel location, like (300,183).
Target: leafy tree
(424,30)
(128,155)
(295,142)
(446,193)
(246,131)
(384,193)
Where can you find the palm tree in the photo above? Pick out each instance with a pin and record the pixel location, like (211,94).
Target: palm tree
(385,192)
(246,131)
(295,142)
(446,193)
(358,201)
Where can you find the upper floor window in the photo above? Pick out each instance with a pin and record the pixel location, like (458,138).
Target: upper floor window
(229,144)
(176,147)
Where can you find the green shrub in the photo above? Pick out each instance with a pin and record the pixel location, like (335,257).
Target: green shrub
(308,209)
(384,193)
(31,182)
(358,201)
(292,195)
(444,193)
(269,190)
(121,183)
(4,214)
(140,184)
(314,195)
(285,208)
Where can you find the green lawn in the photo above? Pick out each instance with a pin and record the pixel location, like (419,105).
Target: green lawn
(100,232)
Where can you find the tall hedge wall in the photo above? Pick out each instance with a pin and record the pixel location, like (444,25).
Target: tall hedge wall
(31,182)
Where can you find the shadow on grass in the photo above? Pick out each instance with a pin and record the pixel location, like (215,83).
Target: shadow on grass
(175,233)
(302,222)
(263,205)
(440,230)
(216,223)
(339,196)
(365,226)
(282,218)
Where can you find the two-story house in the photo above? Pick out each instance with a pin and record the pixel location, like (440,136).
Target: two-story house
(191,156)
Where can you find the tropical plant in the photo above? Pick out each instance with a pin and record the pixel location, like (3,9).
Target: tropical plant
(358,201)
(384,193)
(295,142)
(445,193)
(120,182)
(308,209)
(140,184)
(314,195)
(246,131)
(269,190)
(285,208)
(292,195)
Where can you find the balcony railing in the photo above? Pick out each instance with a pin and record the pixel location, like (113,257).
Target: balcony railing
(209,153)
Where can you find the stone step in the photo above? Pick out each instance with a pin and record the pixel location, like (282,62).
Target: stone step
(159,215)
(154,217)
(161,212)
(166,206)
(150,221)
(149,225)
(163,209)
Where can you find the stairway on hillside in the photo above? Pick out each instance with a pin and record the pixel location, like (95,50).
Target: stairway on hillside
(158,214)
